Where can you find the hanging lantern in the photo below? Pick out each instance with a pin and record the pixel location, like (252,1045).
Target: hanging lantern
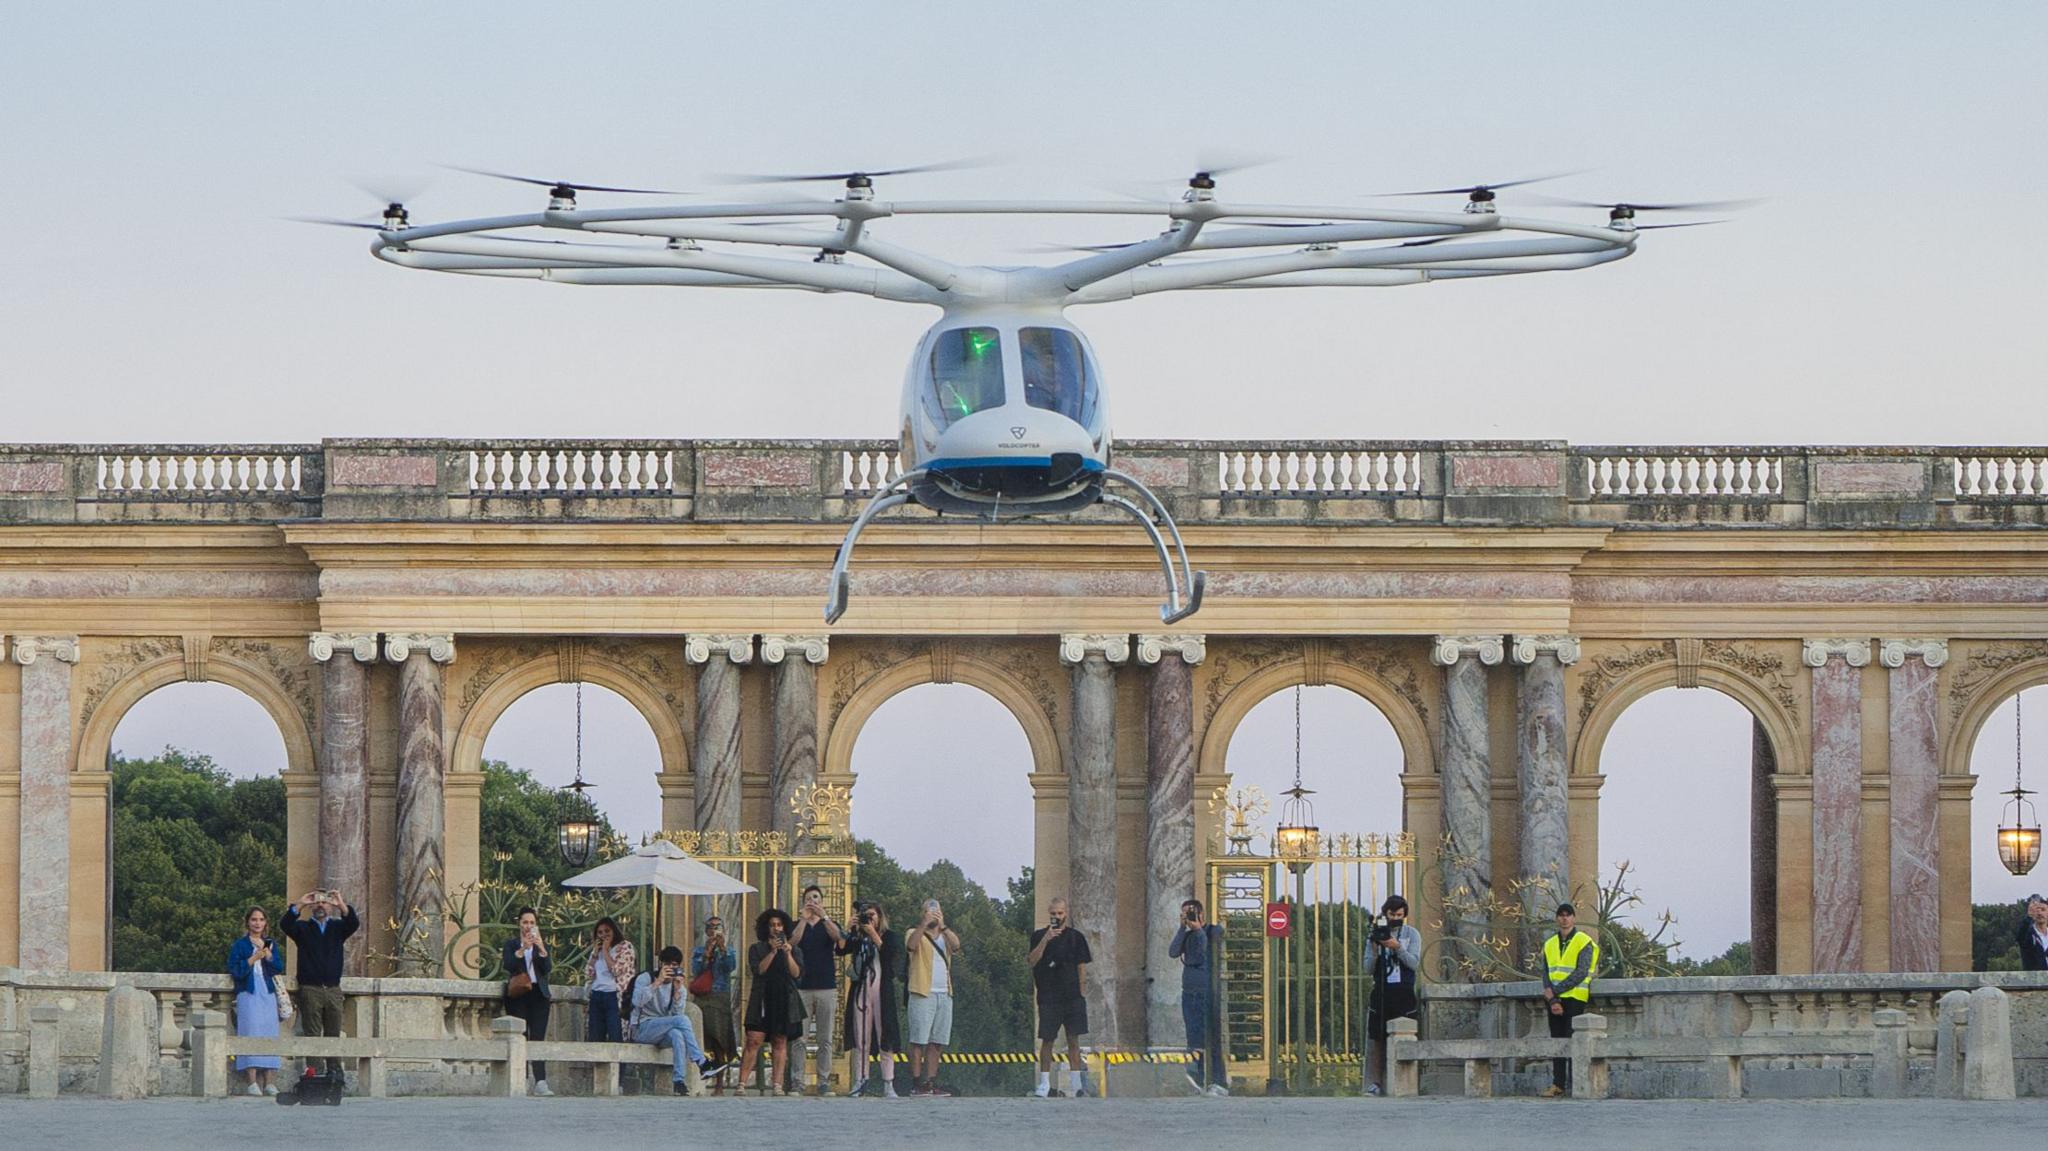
(579,829)
(2019,831)
(1297,839)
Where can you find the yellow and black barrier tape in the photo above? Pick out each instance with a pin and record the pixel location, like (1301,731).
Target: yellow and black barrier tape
(1114,1058)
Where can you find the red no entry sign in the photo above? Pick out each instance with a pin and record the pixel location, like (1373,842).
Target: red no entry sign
(1279,920)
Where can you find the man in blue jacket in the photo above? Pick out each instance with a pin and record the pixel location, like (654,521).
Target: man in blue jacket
(320,936)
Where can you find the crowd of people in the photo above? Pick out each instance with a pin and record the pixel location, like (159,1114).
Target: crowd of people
(895,998)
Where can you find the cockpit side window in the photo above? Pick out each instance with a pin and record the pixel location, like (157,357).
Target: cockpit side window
(966,374)
(1057,374)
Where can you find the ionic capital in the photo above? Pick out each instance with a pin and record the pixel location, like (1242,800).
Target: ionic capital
(814,648)
(29,648)
(1190,648)
(1893,652)
(1815,652)
(699,647)
(1449,649)
(322,645)
(1078,646)
(439,646)
(1564,647)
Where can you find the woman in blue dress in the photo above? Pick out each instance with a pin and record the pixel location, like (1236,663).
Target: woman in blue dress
(255,965)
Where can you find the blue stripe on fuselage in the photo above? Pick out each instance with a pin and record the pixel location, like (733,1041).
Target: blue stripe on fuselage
(1018,462)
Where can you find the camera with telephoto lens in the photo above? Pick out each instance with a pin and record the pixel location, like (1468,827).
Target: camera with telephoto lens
(1382,930)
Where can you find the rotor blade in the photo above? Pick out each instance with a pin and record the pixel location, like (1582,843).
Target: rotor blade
(1494,187)
(332,222)
(1076,247)
(838,177)
(389,188)
(1675,206)
(1224,161)
(1688,224)
(565,183)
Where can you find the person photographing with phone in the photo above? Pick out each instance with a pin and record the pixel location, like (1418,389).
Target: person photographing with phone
(932,948)
(255,966)
(818,940)
(527,967)
(1059,958)
(775,1012)
(326,924)
(1198,944)
(661,1000)
(712,964)
(872,1031)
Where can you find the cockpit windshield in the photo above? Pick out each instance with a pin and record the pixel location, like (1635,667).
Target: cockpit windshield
(966,374)
(1057,374)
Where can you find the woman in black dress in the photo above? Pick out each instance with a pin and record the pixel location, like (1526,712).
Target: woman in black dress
(871,1027)
(775,1013)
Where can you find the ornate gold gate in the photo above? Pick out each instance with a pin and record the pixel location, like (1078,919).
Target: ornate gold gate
(1318,974)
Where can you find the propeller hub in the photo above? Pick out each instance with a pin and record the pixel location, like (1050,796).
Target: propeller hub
(1482,195)
(858,181)
(1621,212)
(1202,182)
(395,216)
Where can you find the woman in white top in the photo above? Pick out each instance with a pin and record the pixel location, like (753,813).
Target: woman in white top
(608,974)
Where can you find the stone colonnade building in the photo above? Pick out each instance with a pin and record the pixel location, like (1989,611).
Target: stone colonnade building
(1501,603)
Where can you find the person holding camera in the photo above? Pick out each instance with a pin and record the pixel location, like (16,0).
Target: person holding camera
(320,934)
(818,940)
(932,948)
(1059,957)
(661,998)
(525,961)
(712,964)
(775,1011)
(1569,959)
(872,1032)
(255,966)
(1394,951)
(609,975)
(2032,935)
(1199,947)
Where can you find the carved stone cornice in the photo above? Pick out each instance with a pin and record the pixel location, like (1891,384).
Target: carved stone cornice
(322,645)
(1192,649)
(1816,652)
(1893,652)
(737,647)
(439,646)
(1564,647)
(194,649)
(1078,646)
(29,648)
(814,648)
(1449,649)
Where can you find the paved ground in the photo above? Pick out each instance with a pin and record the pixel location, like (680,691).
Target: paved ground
(637,1123)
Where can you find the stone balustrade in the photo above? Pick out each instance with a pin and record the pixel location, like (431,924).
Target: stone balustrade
(1446,482)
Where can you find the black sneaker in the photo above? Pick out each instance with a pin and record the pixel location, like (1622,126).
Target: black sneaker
(682,1088)
(938,1092)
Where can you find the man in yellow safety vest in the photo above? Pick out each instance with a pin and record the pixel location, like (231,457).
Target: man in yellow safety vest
(1569,958)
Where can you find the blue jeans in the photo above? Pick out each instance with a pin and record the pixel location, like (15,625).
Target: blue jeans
(674,1030)
(1204,1049)
(604,1018)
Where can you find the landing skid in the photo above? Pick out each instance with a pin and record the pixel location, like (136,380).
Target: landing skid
(1184,585)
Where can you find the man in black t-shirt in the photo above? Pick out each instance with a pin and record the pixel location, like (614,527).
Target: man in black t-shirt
(817,941)
(1059,955)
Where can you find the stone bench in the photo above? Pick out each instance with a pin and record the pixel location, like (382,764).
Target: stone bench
(1590,1049)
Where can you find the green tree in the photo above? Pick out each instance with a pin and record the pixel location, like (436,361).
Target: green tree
(1737,960)
(193,850)
(521,816)
(1992,929)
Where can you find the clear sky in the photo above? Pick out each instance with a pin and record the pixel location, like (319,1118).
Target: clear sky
(1885,291)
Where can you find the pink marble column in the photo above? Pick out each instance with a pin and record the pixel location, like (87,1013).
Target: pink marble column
(422,768)
(1915,799)
(793,724)
(1837,669)
(344,760)
(1091,820)
(45,917)
(1763,852)
(715,754)
(1169,820)
(1466,768)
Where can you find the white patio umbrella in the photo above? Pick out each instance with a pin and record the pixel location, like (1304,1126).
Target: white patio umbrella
(664,867)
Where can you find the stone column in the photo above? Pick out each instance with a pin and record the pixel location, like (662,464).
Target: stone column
(1837,668)
(1170,853)
(715,756)
(422,768)
(1091,816)
(345,771)
(1915,800)
(1541,768)
(45,901)
(1467,775)
(793,723)
(1763,851)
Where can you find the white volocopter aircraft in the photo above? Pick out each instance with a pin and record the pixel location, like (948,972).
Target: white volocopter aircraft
(1003,408)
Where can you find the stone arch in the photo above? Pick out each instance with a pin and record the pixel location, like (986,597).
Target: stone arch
(1976,708)
(92,785)
(1039,730)
(466,751)
(1417,753)
(1788,740)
